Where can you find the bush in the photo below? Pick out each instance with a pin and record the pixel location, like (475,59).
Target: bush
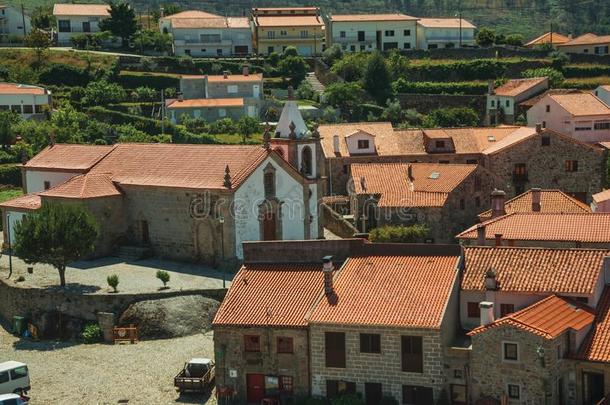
(347,399)
(579,71)
(144,93)
(305,91)
(332,54)
(451,117)
(223,126)
(10,174)
(514,40)
(556,78)
(113,281)
(290,51)
(65,75)
(399,234)
(103,92)
(486,37)
(92,333)
(132,80)
(404,86)
(163,276)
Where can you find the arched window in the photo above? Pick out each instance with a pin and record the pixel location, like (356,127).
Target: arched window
(306,160)
(269,181)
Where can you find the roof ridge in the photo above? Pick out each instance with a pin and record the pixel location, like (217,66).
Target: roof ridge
(537,248)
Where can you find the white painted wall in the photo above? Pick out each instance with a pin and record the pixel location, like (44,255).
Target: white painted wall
(603,94)
(11,21)
(190,40)
(14,218)
(37,102)
(76,27)
(349,39)
(427,36)
(496,102)
(352,143)
(288,190)
(35,179)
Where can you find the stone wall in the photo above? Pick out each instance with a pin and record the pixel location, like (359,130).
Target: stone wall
(231,355)
(302,251)
(591,367)
(384,368)
(335,223)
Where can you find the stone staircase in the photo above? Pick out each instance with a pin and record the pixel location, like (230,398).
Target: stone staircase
(133,253)
(317,86)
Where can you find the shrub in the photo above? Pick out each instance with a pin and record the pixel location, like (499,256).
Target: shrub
(132,80)
(332,54)
(404,86)
(163,276)
(64,75)
(10,174)
(92,333)
(144,93)
(486,37)
(398,233)
(223,126)
(451,117)
(514,40)
(103,92)
(556,78)
(305,91)
(347,399)
(290,51)
(113,281)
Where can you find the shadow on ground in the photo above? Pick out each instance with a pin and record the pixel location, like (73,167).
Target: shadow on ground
(193,398)
(76,288)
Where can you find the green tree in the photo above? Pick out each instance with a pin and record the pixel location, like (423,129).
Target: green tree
(290,51)
(399,234)
(40,41)
(344,95)
(332,54)
(556,78)
(247,126)
(514,40)
(451,117)
(163,276)
(8,122)
(103,92)
(128,133)
(393,112)
(294,67)
(122,21)
(352,66)
(398,65)
(42,17)
(56,234)
(305,91)
(377,79)
(113,281)
(485,37)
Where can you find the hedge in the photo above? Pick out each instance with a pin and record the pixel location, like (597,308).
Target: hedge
(471,88)
(133,80)
(10,174)
(65,75)
(576,71)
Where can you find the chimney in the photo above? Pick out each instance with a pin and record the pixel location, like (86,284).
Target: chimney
(491,87)
(480,235)
(498,239)
(363,184)
(290,93)
(246,71)
(336,148)
(410,172)
(539,128)
(225,74)
(487,312)
(536,199)
(497,203)
(327,268)
(490,280)
(607,270)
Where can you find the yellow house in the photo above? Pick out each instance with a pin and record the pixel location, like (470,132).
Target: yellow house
(276,28)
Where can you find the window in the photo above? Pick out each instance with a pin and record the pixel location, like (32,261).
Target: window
(543,124)
(472,161)
(508,103)
(514,391)
(416,395)
(286,383)
(270,49)
(548,108)
(47,185)
(506,309)
(16,109)
(462,204)
(546,141)
(304,34)
(362,48)
(520,169)
(86,26)
(306,161)
(28,109)
(336,388)
(269,183)
(412,354)
(352,48)
(571,165)
(493,103)
(19,372)
(3,377)
(473,310)
(285,345)
(252,343)
(342,34)
(222,112)
(443,162)
(63,25)
(601,125)
(440,144)
(283,33)
(209,38)
(360,36)
(407,45)
(335,349)
(407,33)
(510,351)
(271,34)
(389,33)
(370,343)
(372,393)
(232,89)
(363,143)
(219,51)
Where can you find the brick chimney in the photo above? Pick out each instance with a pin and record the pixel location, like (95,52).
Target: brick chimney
(497,203)
(487,312)
(327,268)
(536,199)
(498,239)
(480,235)
(410,172)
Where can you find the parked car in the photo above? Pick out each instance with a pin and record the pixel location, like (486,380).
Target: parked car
(12,399)
(14,378)
(198,375)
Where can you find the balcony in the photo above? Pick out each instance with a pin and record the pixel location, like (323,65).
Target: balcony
(354,40)
(283,38)
(198,42)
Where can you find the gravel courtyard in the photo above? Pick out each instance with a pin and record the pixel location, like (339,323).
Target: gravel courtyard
(69,373)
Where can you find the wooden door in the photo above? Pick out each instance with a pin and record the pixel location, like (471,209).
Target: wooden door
(269,225)
(255,386)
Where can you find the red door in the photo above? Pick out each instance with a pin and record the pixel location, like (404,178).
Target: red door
(255,384)
(269,226)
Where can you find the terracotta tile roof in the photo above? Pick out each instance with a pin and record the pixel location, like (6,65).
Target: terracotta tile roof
(430,186)
(71,157)
(15,88)
(551,201)
(546,38)
(581,104)
(605,145)
(219,22)
(271,295)
(516,87)
(584,228)
(390,291)
(588,39)
(481,140)
(602,196)
(534,270)
(180,166)
(371,17)
(596,347)
(205,103)
(191,14)
(84,186)
(27,202)
(100,10)
(548,318)
(254,77)
(532,101)
(444,23)
(515,137)
(288,21)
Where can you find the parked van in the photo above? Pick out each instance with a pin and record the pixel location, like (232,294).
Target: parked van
(12,399)
(14,377)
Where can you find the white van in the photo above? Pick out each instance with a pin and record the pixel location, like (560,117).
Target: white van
(14,377)
(11,399)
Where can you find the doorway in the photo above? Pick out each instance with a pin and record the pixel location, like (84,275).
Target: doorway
(378,40)
(592,387)
(458,394)
(269,226)
(255,387)
(145,233)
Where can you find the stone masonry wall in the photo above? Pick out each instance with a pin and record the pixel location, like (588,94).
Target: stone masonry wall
(384,368)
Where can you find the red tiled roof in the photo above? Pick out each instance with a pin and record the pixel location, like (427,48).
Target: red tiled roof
(67,9)
(516,87)
(371,17)
(205,103)
(551,201)
(218,22)
(271,295)
(15,88)
(596,347)
(68,157)
(581,104)
(602,196)
(534,270)
(430,186)
(548,318)
(546,38)
(27,202)
(586,228)
(191,14)
(84,186)
(444,23)
(403,291)
(588,39)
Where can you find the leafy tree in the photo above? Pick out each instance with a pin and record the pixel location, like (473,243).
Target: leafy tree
(195,125)
(399,233)
(398,65)
(144,93)
(40,41)
(393,112)
(103,92)
(152,40)
(163,276)
(559,60)
(452,117)
(351,67)
(344,96)
(247,126)
(42,17)
(294,67)
(305,91)
(485,37)
(128,133)
(290,51)
(122,21)
(500,39)
(514,40)
(222,126)
(332,54)
(377,79)
(8,121)
(56,234)
(113,281)
(556,78)
(68,123)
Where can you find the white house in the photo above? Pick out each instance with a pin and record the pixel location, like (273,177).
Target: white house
(166,21)
(368,32)
(581,116)
(603,93)
(502,102)
(27,101)
(13,23)
(435,33)
(78,19)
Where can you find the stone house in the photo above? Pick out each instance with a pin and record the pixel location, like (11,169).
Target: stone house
(588,43)
(601,202)
(25,100)
(443,197)
(433,33)
(380,327)
(78,19)
(503,102)
(209,110)
(369,32)
(13,23)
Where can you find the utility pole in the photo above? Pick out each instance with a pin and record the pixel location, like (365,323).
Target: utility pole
(162,112)
(551,33)
(460,17)
(25,32)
